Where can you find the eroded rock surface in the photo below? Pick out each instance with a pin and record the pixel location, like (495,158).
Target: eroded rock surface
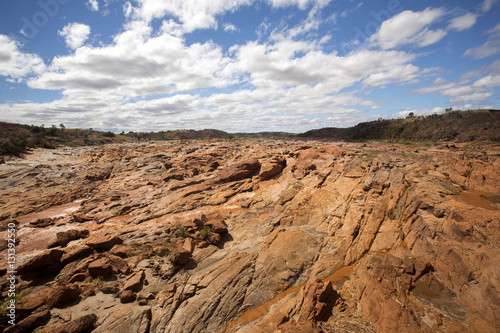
(255,236)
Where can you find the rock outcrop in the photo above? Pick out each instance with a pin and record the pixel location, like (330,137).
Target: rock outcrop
(255,236)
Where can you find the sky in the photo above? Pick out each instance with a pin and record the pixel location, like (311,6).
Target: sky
(244,65)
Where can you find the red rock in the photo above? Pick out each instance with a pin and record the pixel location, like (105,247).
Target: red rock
(79,325)
(119,265)
(127,296)
(47,262)
(30,323)
(104,242)
(62,295)
(271,168)
(189,244)
(100,267)
(73,253)
(241,170)
(134,282)
(122,251)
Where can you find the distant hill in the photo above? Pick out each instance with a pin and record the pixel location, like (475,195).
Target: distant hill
(473,125)
(462,126)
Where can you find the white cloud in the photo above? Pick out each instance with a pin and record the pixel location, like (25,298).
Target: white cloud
(463,22)
(409,27)
(487,4)
(488,49)
(16,64)
(423,112)
(136,64)
(192,14)
(488,81)
(229,27)
(75,34)
(471,97)
(93,5)
(302,4)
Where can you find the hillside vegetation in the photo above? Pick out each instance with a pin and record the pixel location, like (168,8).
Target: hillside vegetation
(462,126)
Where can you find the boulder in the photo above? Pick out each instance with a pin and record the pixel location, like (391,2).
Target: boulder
(134,282)
(75,252)
(119,265)
(180,255)
(127,296)
(104,242)
(41,223)
(238,171)
(272,168)
(30,323)
(100,267)
(81,218)
(63,238)
(122,251)
(62,295)
(81,324)
(48,262)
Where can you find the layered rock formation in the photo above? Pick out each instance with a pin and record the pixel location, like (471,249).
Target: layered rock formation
(255,236)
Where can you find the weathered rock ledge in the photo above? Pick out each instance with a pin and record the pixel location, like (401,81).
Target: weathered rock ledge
(254,236)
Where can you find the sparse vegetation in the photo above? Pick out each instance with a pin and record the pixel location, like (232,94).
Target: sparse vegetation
(203,234)
(182,232)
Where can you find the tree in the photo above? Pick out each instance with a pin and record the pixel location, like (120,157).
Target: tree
(410,115)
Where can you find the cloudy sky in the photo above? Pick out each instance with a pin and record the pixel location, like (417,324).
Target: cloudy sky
(244,65)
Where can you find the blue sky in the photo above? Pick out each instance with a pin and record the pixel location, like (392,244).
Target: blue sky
(244,65)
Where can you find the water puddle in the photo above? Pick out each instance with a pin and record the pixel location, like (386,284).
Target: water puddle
(480,199)
(256,313)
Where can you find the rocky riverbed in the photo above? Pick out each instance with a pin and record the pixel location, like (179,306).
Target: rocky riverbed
(254,236)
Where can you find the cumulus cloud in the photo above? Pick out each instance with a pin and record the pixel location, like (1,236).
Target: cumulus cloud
(192,14)
(409,27)
(16,64)
(137,64)
(93,5)
(463,22)
(75,34)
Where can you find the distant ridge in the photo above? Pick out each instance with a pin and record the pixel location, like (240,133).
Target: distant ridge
(462,126)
